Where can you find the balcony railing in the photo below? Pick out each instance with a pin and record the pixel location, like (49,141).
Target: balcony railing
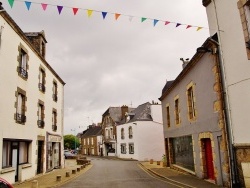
(23,72)
(40,123)
(55,97)
(20,118)
(122,137)
(130,136)
(41,87)
(54,127)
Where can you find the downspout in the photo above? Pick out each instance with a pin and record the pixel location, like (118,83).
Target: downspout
(233,166)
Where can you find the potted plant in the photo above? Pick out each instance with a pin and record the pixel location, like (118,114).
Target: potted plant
(164,160)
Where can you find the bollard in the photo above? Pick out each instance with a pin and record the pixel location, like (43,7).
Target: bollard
(34,184)
(74,171)
(67,174)
(151,161)
(158,162)
(58,178)
(78,169)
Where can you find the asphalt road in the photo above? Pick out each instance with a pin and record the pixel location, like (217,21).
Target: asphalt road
(107,173)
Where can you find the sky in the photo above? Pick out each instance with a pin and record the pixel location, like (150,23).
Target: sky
(113,62)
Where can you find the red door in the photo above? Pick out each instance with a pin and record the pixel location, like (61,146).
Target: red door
(209,159)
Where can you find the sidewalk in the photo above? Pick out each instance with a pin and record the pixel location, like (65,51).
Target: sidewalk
(49,180)
(175,176)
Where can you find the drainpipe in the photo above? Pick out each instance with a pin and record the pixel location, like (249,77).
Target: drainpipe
(226,109)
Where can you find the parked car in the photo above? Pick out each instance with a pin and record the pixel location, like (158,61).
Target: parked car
(69,155)
(5,184)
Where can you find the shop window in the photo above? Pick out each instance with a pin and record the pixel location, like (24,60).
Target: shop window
(123,148)
(131,148)
(41,84)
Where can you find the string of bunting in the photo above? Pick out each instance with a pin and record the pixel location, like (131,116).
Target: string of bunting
(103,13)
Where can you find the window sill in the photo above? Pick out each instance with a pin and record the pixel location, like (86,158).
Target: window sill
(6,170)
(26,165)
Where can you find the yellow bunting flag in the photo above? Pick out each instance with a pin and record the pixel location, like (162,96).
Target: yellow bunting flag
(199,28)
(89,12)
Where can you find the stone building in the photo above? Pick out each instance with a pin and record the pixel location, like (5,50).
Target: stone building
(31,100)
(193,117)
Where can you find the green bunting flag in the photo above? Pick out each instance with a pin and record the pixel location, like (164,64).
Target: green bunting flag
(143,19)
(11,2)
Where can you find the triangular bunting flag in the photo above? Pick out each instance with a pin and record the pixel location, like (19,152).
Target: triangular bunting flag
(104,14)
(75,10)
(167,22)
(11,2)
(44,6)
(155,21)
(117,16)
(177,25)
(59,8)
(188,26)
(89,12)
(130,18)
(27,3)
(143,19)
(199,28)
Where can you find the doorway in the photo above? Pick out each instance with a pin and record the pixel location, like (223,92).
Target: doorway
(40,157)
(208,156)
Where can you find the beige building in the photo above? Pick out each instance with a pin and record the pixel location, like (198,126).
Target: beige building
(31,100)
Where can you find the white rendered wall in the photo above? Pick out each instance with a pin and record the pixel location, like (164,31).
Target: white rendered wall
(236,64)
(156,113)
(9,81)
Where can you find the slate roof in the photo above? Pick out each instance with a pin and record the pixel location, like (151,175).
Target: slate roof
(116,113)
(141,113)
(167,85)
(92,131)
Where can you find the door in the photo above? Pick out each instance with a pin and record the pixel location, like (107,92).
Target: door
(15,158)
(209,159)
(40,157)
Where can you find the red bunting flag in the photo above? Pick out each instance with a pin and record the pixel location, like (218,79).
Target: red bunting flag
(167,22)
(117,16)
(75,10)
(44,6)
(188,26)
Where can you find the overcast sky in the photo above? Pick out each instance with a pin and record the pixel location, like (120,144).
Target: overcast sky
(109,62)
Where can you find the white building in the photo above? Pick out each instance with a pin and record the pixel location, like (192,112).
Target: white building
(31,100)
(230,19)
(141,137)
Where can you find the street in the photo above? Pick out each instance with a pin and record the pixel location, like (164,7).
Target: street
(117,174)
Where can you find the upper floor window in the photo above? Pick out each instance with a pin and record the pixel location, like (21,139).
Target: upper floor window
(168,116)
(20,107)
(122,133)
(23,57)
(41,84)
(55,91)
(130,132)
(54,120)
(40,121)
(190,102)
(92,141)
(177,111)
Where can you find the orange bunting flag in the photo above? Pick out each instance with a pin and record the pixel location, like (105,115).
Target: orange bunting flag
(199,28)
(89,12)
(44,6)
(75,10)
(188,26)
(117,16)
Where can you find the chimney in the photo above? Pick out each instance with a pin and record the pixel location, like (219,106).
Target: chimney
(124,109)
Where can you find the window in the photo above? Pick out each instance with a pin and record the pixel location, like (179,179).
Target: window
(23,63)
(12,150)
(41,84)
(191,107)
(122,133)
(123,148)
(177,111)
(92,141)
(84,141)
(131,148)
(168,116)
(20,106)
(54,120)
(40,121)
(55,91)
(130,132)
